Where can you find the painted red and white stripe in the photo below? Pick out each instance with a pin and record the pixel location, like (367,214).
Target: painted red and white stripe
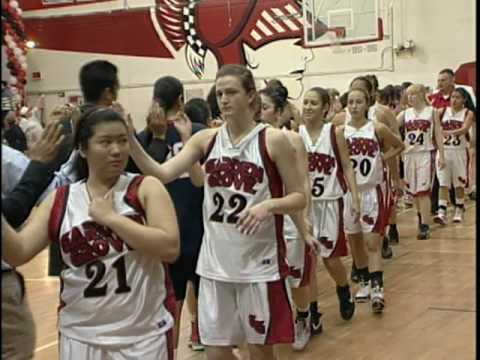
(276,20)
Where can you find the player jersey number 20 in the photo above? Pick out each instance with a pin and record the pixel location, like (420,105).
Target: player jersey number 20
(364,166)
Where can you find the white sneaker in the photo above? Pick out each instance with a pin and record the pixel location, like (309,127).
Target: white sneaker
(363,294)
(458,217)
(302,333)
(440,218)
(378,302)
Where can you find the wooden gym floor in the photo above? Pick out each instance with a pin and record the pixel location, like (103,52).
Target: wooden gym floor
(430,303)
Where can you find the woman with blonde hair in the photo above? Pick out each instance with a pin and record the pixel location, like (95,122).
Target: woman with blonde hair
(422,131)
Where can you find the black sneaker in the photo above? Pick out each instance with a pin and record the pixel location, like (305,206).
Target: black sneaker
(387,252)
(473,195)
(393,235)
(347,306)
(354,276)
(424,232)
(316,325)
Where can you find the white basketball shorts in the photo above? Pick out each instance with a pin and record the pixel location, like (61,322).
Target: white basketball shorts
(232,313)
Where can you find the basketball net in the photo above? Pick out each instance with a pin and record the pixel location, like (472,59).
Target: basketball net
(335,36)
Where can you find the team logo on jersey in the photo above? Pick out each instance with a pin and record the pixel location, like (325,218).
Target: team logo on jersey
(225,172)
(322,163)
(363,146)
(90,241)
(414,125)
(451,125)
(257,325)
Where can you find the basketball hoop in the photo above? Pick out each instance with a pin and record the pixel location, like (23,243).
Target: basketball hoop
(335,36)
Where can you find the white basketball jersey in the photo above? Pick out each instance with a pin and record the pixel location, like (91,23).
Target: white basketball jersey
(419,130)
(110,294)
(290,231)
(451,122)
(365,155)
(238,177)
(324,165)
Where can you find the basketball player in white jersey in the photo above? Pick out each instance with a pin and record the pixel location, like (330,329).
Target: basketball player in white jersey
(250,183)
(456,120)
(422,131)
(330,171)
(299,254)
(370,143)
(114,239)
(382,114)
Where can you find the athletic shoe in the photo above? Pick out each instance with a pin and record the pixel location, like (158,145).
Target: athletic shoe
(347,306)
(458,217)
(378,302)
(195,343)
(393,235)
(424,232)
(302,333)
(387,252)
(354,276)
(316,325)
(363,294)
(440,218)
(473,195)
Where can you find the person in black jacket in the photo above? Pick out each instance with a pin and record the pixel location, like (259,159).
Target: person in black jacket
(18,332)
(161,140)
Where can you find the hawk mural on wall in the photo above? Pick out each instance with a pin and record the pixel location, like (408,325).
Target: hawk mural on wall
(195,27)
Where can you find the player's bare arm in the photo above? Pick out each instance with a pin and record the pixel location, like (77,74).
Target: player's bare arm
(392,145)
(300,218)
(438,133)
(282,154)
(191,152)
(339,119)
(19,248)
(348,169)
(467,124)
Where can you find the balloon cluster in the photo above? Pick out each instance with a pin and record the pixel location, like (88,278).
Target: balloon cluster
(14,43)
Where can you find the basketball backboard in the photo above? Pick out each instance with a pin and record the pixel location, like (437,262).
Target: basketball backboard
(359,20)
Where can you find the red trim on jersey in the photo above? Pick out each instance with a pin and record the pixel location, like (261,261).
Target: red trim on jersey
(276,190)
(422,193)
(340,175)
(307,267)
(171,307)
(341,244)
(57,213)
(468,169)
(209,149)
(281,328)
(131,195)
(382,220)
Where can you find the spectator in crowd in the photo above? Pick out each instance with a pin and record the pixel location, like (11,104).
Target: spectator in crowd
(11,132)
(198,111)
(23,181)
(30,126)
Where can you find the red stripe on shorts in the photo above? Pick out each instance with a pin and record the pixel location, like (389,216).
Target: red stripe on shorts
(280,328)
(379,227)
(341,245)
